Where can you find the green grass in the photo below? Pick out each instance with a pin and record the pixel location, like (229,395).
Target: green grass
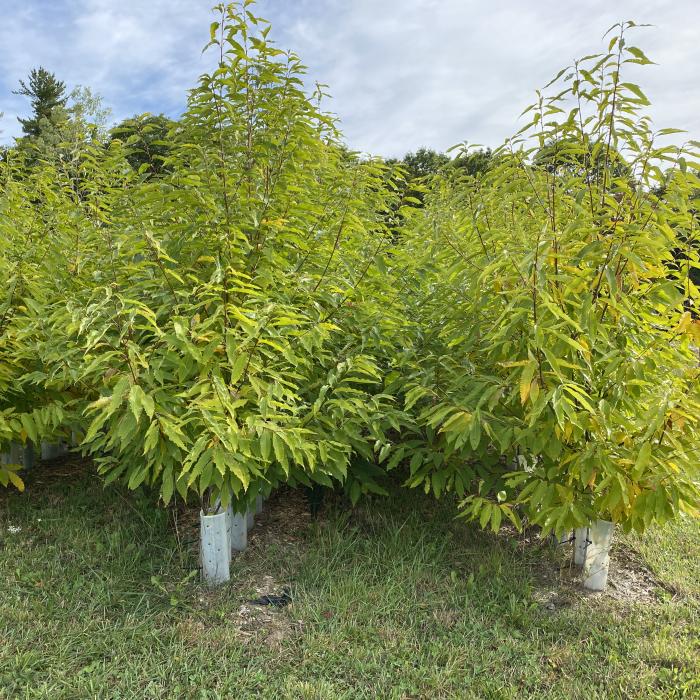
(395,599)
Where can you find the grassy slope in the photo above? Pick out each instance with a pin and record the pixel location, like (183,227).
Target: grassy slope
(397,602)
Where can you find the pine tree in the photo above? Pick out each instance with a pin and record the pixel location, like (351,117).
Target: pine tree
(46,93)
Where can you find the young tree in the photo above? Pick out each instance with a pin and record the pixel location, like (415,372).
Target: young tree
(145,136)
(214,316)
(549,353)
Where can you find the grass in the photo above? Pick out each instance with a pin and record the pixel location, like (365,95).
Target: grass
(99,598)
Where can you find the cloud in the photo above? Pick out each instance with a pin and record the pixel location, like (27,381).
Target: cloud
(436,73)
(140,56)
(403,73)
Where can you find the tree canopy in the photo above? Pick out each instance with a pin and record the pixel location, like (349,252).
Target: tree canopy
(237,301)
(46,94)
(146,136)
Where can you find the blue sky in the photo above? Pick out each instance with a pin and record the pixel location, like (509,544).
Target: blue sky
(403,73)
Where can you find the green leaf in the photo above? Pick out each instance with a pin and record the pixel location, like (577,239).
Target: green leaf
(475,432)
(643,459)
(526,380)
(485,515)
(637,91)
(266,444)
(238,368)
(167,486)
(136,397)
(496,517)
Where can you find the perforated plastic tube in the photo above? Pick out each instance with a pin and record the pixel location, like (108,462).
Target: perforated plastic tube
(14,455)
(53,450)
(216,551)
(238,530)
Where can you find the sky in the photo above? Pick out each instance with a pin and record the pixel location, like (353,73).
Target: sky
(403,73)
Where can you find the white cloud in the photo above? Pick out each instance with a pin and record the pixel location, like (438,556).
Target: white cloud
(140,56)
(423,72)
(403,73)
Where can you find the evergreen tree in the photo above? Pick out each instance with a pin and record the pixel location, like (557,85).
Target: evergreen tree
(46,93)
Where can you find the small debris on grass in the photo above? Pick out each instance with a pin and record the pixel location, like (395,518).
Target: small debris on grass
(277,601)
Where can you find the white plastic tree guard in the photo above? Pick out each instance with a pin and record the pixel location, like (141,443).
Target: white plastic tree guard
(258,504)
(18,454)
(580,545)
(229,525)
(53,450)
(597,563)
(28,455)
(250,518)
(216,550)
(13,455)
(237,527)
